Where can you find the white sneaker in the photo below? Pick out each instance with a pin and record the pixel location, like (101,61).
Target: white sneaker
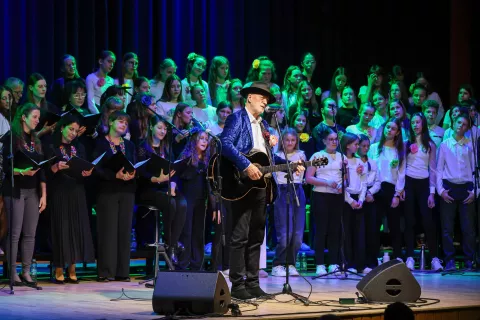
(321,270)
(436,264)
(293,271)
(279,271)
(352,270)
(410,263)
(226,273)
(366,270)
(334,268)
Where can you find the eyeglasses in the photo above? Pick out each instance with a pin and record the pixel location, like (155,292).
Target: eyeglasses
(332,139)
(79,95)
(18,92)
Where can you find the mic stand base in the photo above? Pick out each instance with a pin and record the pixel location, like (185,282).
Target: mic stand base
(344,275)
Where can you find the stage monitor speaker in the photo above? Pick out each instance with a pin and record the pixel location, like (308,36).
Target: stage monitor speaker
(390,282)
(200,293)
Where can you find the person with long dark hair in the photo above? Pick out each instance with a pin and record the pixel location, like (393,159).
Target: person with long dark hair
(128,75)
(171,97)
(30,191)
(115,202)
(420,180)
(195,188)
(166,68)
(99,81)
(70,226)
(36,92)
(338,82)
(154,190)
(195,67)
(389,154)
(140,110)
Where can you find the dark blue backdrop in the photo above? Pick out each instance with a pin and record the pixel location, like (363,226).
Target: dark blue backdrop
(352,33)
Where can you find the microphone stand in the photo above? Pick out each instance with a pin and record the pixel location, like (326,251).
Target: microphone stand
(287,289)
(344,262)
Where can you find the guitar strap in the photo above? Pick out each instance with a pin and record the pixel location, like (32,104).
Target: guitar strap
(267,144)
(270,181)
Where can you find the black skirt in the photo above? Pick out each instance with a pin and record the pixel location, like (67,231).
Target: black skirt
(70,225)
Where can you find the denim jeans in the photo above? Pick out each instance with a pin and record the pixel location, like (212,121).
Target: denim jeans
(287,247)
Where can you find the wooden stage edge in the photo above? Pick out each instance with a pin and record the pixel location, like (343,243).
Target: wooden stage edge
(458,295)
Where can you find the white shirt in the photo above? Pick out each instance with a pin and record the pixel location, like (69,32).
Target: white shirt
(257,135)
(357,183)
(371,132)
(332,171)
(94,92)
(387,173)
(156,88)
(204,115)
(422,165)
(187,96)
(449,133)
(455,162)
(294,157)
(377,121)
(4,128)
(436,133)
(166,109)
(214,127)
(373,181)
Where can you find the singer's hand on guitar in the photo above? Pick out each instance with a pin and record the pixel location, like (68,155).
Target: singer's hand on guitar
(253,172)
(300,168)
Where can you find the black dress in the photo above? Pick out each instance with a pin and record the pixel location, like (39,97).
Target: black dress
(70,226)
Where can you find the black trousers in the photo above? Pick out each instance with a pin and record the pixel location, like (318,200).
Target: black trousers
(173,218)
(372,236)
(384,207)
(193,234)
(248,231)
(220,253)
(417,192)
(114,225)
(354,228)
(326,208)
(467,223)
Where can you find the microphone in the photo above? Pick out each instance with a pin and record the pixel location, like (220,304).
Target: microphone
(208,131)
(272,109)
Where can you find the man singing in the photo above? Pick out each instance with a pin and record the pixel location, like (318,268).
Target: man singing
(244,132)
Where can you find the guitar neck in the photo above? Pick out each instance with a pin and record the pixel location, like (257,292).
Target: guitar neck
(283,167)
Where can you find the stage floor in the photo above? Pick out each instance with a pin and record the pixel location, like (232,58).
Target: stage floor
(92,300)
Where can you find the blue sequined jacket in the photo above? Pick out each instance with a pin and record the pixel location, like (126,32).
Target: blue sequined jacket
(237,138)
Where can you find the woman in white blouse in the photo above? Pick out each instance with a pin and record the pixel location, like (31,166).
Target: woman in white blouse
(389,155)
(420,188)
